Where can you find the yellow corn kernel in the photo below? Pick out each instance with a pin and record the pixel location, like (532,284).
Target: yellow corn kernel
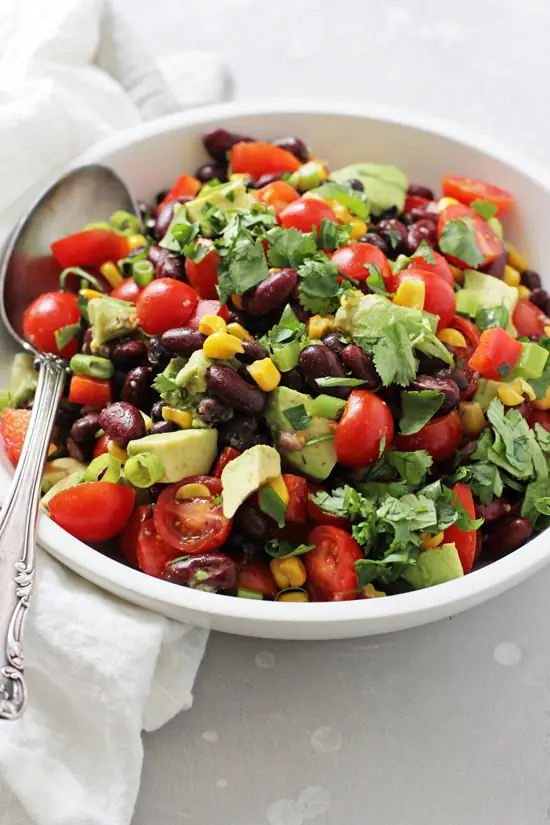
(293,596)
(543,403)
(358,228)
(221,345)
(278,485)
(452,337)
(444,203)
(524,387)
(117,451)
(471,417)
(515,258)
(239,332)
(370,592)
(147,420)
(511,276)
(88,294)
(458,274)
(429,541)
(289,572)
(265,374)
(523,292)
(410,293)
(193,490)
(341,211)
(547,330)
(135,241)
(236,301)
(111,273)
(509,395)
(320,325)
(209,324)
(182,418)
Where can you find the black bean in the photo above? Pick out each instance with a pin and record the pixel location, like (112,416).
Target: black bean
(163,427)
(159,197)
(158,356)
(356,184)
(318,361)
(170,266)
(258,325)
(213,572)
(80,452)
(211,171)
(539,297)
(361,365)
(227,385)
(251,522)
(219,141)
(239,432)
(388,214)
(214,412)
(424,230)
(376,240)
(506,535)
(531,279)
(496,268)
(182,340)
(271,293)
(294,380)
(128,353)
(525,409)
(294,145)
(334,342)
(156,411)
(420,191)
(497,508)
(444,385)
(395,234)
(85,428)
(136,387)
(253,351)
(155,253)
(122,423)
(164,217)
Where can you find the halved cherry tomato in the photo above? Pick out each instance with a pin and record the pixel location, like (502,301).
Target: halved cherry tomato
(13,427)
(256,158)
(128,290)
(296,510)
(185,185)
(439,296)
(128,539)
(331,565)
(164,304)
(94,392)
(487,241)
(192,525)
(440,267)
(153,554)
(226,455)
(319,516)
(496,354)
(203,275)
(528,319)
(306,213)
(365,430)
(540,417)
(92,247)
(255,575)
(94,511)
(352,260)
(278,195)
(440,437)
(464,541)
(48,313)
(469,330)
(101,446)
(207,308)
(468,190)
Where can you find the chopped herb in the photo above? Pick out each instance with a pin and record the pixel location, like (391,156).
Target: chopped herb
(375,281)
(298,417)
(317,439)
(281,549)
(504,370)
(411,466)
(424,250)
(417,409)
(319,286)
(164,384)
(242,269)
(289,247)
(285,340)
(272,505)
(332,235)
(486,209)
(492,317)
(536,504)
(339,382)
(356,202)
(382,446)
(66,334)
(458,239)
(393,237)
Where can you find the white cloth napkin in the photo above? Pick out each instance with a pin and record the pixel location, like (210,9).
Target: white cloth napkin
(99,670)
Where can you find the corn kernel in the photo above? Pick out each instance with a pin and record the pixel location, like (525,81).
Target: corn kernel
(370,592)
(547,330)
(523,292)
(458,274)
(523,386)
(240,176)
(117,451)
(452,337)
(135,241)
(509,395)
(511,276)
(543,403)
(236,301)
(429,541)
(209,324)
(444,203)
(289,572)
(278,485)
(88,294)
(193,490)
(410,293)
(221,345)
(342,212)
(111,273)
(516,259)
(265,374)
(358,228)
(147,420)
(472,418)
(182,418)
(293,596)
(239,332)
(319,325)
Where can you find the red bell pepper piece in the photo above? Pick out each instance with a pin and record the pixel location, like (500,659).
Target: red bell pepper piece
(13,427)
(256,158)
(496,354)
(93,392)
(185,185)
(207,308)
(92,247)
(464,541)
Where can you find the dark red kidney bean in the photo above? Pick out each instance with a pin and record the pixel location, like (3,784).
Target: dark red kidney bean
(264,180)
(211,571)
(525,409)
(531,279)
(80,452)
(85,428)
(128,353)
(376,240)
(506,535)
(361,365)
(271,293)
(164,217)
(356,184)
(239,433)
(424,212)
(155,253)
(227,385)
(424,230)
(539,297)
(136,387)
(163,427)
(253,351)
(182,340)
(219,141)
(156,411)
(122,423)
(251,522)
(334,342)
(294,145)
(211,171)
(159,197)
(299,311)
(86,341)
(394,233)
(157,356)
(318,361)
(498,508)
(496,268)
(170,266)
(420,191)
(447,386)
(294,380)
(214,412)
(458,376)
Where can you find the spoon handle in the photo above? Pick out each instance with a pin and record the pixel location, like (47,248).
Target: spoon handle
(17,535)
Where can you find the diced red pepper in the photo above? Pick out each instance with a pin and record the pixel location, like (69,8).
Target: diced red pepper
(464,541)
(101,446)
(13,427)
(92,247)
(207,308)
(93,392)
(256,158)
(185,185)
(226,455)
(296,509)
(496,354)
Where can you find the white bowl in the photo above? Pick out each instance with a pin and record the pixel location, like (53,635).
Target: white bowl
(149,158)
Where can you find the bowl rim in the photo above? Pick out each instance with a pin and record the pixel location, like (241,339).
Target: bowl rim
(448,597)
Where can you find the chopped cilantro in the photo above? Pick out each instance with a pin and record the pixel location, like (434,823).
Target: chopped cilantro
(285,340)
(272,505)
(536,504)
(411,466)
(515,447)
(332,235)
(281,549)
(289,247)
(458,239)
(486,209)
(356,202)
(339,382)
(242,269)
(424,250)
(319,286)
(164,384)
(375,282)
(504,370)
(298,417)
(492,317)
(417,409)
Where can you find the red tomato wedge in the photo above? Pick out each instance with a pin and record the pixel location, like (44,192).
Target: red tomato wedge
(255,575)
(92,247)
(364,431)
(48,313)
(192,525)
(256,158)
(319,516)
(489,245)
(226,455)
(278,194)
(440,437)
(128,539)
(353,260)
(496,354)
(464,541)
(331,565)
(528,319)
(185,185)
(207,308)
(94,511)
(128,290)
(13,428)
(468,190)
(153,554)
(203,275)
(469,330)
(439,296)
(440,267)
(296,511)
(164,304)
(306,213)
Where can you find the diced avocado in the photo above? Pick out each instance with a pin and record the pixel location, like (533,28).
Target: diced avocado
(63,484)
(308,176)
(531,362)
(487,389)
(192,377)
(246,474)
(317,459)
(110,318)
(435,566)
(23,378)
(492,292)
(227,196)
(467,303)
(183,453)
(326,406)
(58,469)
(386,186)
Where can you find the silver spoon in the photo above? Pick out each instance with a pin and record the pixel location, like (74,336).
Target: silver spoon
(27,270)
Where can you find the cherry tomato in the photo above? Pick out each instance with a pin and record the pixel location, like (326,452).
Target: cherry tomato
(192,525)
(352,260)
(128,290)
(440,267)
(440,437)
(226,455)
(207,308)
(330,565)
(365,430)
(439,296)
(92,247)
(94,392)
(306,213)
(153,554)
(256,158)
(468,190)
(412,201)
(278,195)
(540,417)
(101,446)
(528,319)
(496,354)
(296,510)
(13,428)
(164,304)
(48,313)
(469,330)
(185,185)
(203,275)
(464,541)
(319,516)
(128,539)
(255,575)
(487,241)
(94,511)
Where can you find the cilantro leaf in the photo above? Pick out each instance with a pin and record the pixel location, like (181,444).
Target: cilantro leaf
(458,239)
(242,269)
(375,281)
(483,479)
(492,317)
(339,382)
(394,358)
(424,250)
(356,202)
(332,235)
(486,209)
(289,247)
(515,447)
(285,340)
(386,570)
(272,505)
(298,417)
(412,467)
(281,549)
(164,384)
(418,408)
(318,288)
(536,504)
